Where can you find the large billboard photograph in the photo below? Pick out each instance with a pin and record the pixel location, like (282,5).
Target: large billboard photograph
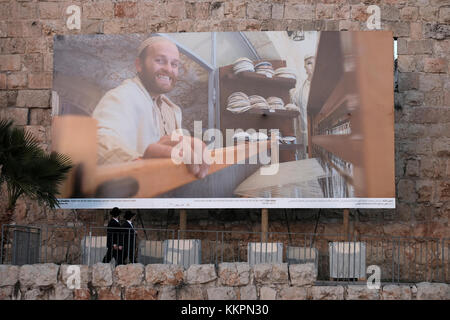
(226,119)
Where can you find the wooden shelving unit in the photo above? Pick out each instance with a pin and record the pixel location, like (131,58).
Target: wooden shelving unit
(252,83)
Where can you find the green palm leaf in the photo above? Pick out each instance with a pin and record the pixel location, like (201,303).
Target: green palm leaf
(27,169)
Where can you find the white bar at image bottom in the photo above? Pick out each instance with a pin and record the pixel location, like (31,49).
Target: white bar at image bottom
(228,203)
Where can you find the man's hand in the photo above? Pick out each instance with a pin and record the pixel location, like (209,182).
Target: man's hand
(199,170)
(163,149)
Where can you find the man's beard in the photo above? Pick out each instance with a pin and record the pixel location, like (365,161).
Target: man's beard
(150,82)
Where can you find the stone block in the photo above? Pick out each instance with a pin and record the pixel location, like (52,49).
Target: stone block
(40,117)
(33,98)
(38,275)
(324,11)
(61,292)
(302,274)
(277,10)
(6,293)
(420,46)
(176,9)
(200,273)
(428,13)
(10,62)
(267,293)
(409,13)
(259,10)
(16,80)
(408,81)
(141,293)
(441,147)
(50,10)
(361,292)
(435,65)
(412,168)
(299,11)
(406,191)
(18,115)
(129,275)
(432,291)
(98,10)
(41,80)
(327,293)
(248,292)
(444,15)
(235,9)
(271,273)
(9,275)
(293,293)
(109,293)
(164,274)
(234,274)
(413,98)
(167,293)
(396,292)
(192,292)
(102,275)
(198,10)
(125,9)
(221,293)
(81,294)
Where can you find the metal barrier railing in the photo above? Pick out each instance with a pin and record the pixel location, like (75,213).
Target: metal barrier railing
(335,257)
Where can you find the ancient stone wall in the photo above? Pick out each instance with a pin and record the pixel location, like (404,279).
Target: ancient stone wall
(230,281)
(422,115)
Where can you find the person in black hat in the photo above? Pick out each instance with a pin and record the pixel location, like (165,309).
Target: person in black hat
(115,249)
(128,238)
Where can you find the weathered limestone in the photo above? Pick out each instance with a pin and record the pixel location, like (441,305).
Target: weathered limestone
(396,292)
(129,275)
(221,293)
(271,273)
(361,292)
(200,273)
(9,275)
(302,274)
(164,274)
(293,293)
(38,275)
(432,291)
(141,293)
(248,292)
(234,274)
(327,293)
(267,293)
(102,275)
(192,292)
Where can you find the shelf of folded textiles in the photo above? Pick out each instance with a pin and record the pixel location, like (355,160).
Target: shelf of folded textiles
(260,78)
(272,112)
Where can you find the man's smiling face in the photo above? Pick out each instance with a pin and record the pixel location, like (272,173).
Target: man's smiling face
(158,68)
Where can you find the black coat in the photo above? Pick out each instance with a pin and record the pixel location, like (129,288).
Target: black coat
(128,239)
(112,233)
(128,235)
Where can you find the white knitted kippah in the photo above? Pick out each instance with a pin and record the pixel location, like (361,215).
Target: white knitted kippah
(151,41)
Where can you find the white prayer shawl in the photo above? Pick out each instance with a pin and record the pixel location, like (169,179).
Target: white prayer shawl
(129,121)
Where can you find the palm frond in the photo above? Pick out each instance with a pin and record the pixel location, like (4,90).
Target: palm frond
(27,169)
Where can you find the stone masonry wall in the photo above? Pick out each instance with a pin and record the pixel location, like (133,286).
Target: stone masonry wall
(422,117)
(231,281)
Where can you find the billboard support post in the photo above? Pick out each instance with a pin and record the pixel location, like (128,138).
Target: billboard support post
(346,231)
(264,223)
(183,220)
